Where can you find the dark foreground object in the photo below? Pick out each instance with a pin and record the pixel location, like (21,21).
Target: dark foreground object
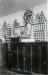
(26,58)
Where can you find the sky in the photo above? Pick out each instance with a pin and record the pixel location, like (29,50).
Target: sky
(12,6)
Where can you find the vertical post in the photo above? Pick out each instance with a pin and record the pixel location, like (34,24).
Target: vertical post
(39,49)
(47,59)
(40,57)
(17,57)
(24,57)
(1,56)
(31,59)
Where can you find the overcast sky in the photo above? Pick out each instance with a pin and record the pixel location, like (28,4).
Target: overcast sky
(11,6)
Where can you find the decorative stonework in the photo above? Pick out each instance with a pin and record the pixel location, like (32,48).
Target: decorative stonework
(35,25)
(39,27)
(4,29)
(27,16)
(40,17)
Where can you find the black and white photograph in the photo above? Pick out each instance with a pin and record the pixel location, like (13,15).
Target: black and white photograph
(23,37)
